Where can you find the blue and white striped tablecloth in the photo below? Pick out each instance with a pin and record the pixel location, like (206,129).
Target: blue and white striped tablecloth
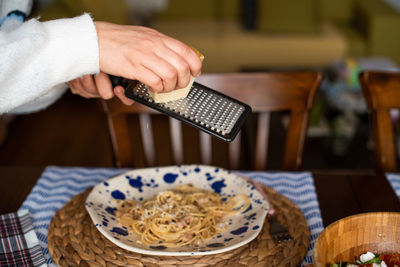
(57,185)
(394,180)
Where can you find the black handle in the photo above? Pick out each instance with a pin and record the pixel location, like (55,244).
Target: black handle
(118,81)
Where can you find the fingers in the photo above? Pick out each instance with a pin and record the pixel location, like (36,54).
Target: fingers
(119,92)
(83,86)
(187,53)
(90,86)
(154,71)
(147,77)
(147,55)
(170,69)
(166,71)
(103,85)
(181,67)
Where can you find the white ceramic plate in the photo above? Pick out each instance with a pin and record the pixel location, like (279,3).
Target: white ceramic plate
(142,184)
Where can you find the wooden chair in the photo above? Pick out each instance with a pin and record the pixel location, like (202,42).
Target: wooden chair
(264,92)
(382,93)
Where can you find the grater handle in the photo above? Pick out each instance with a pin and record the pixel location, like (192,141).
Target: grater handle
(115,80)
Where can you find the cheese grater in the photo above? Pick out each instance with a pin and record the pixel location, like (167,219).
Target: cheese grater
(203,108)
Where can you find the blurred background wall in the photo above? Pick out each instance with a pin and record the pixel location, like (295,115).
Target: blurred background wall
(339,38)
(237,35)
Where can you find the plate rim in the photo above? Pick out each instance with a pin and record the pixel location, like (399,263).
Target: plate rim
(125,246)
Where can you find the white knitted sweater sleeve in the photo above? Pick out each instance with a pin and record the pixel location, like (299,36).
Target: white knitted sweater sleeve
(37,58)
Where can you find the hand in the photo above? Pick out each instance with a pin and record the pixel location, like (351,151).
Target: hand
(99,85)
(146,55)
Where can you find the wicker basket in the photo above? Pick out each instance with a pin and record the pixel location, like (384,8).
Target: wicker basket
(75,241)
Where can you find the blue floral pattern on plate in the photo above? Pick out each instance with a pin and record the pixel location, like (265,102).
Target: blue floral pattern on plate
(142,184)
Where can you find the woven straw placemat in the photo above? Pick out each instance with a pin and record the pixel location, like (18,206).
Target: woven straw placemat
(73,240)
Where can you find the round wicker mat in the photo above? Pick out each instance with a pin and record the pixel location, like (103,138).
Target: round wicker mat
(73,240)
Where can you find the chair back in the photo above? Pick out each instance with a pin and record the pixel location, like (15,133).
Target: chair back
(382,93)
(149,140)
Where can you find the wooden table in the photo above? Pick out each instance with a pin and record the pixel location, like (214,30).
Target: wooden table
(340,193)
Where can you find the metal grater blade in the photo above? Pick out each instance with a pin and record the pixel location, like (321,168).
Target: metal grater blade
(203,108)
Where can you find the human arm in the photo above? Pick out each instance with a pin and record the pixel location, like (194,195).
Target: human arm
(139,53)
(39,57)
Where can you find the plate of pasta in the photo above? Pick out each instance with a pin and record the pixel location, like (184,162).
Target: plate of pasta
(177,210)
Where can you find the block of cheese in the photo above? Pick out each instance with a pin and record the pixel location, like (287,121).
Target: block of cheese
(177,93)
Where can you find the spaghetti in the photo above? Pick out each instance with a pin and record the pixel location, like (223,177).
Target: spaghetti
(181,216)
